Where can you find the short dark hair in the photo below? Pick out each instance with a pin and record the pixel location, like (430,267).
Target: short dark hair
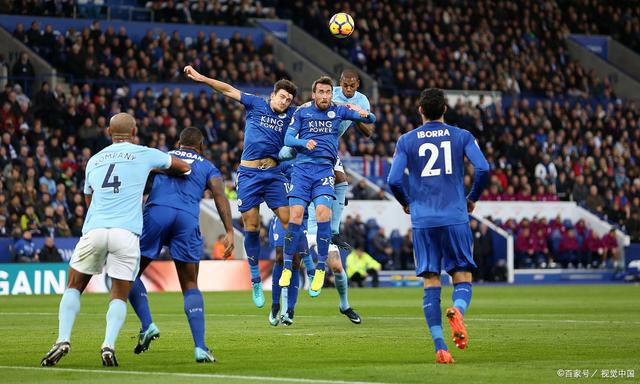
(349,73)
(433,103)
(191,137)
(287,86)
(322,80)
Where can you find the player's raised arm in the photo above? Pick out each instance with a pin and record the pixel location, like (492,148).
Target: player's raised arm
(224,210)
(480,166)
(226,89)
(291,139)
(357,114)
(396,175)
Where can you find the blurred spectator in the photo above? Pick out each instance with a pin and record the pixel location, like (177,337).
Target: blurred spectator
(525,249)
(49,253)
(569,249)
(406,252)
(354,231)
(546,171)
(482,251)
(218,248)
(23,72)
(593,251)
(610,248)
(25,249)
(361,191)
(381,246)
(4,231)
(360,265)
(595,202)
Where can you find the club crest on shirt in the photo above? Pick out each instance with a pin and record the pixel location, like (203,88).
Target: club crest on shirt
(239,203)
(331,114)
(282,115)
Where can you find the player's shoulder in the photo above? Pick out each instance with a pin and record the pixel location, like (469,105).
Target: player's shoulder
(361,96)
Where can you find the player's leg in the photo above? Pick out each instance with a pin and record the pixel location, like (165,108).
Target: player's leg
(276,290)
(426,247)
(342,284)
(251,220)
(457,260)
(87,260)
(290,293)
(122,265)
(292,238)
(341,187)
(139,300)
(323,217)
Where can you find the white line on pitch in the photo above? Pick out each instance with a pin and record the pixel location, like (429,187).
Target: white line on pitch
(469,319)
(191,375)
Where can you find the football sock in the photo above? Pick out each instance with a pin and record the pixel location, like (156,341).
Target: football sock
(433,315)
(67,312)
(293,288)
(308,264)
(461,296)
(116,315)
(275,287)
(342,285)
(323,240)
(338,206)
(140,303)
(252,248)
(194,309)
(291,240)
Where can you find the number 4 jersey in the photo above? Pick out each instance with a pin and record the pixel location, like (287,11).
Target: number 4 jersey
(434,155)
(116,177)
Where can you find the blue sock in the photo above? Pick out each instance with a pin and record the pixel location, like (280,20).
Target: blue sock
(140,303)
(67,312)
(433,315)
(116,315)
(308,264)
(342,285)
(291,240)
(252,248)
(323,240)
(461,296)
(338,206)
(275,287)
(293,288)
(194,309)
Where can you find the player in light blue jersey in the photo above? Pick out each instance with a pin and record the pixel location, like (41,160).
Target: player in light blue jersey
(314,133)
(346,93)
(171,218)
(435,198)
(259,176)
(114,183)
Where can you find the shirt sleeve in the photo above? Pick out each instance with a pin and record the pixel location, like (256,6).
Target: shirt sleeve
(350,114)
(396,174)
(480,166)
(158,159)
(87,190)
(295,125)
(249,100)
(213,172)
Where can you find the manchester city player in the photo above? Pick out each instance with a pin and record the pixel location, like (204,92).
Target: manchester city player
(314,133)
(259,176)
(434,155)
(171,218)
(346,93)
(115,181)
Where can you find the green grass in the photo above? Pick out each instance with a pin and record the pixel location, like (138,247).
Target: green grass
(517,334)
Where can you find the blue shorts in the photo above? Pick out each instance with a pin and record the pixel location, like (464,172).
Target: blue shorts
(276,235)
(443,248)
(176,228)
(309,181)
(258,185)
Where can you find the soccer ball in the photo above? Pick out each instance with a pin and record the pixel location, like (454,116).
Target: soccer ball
(341,25)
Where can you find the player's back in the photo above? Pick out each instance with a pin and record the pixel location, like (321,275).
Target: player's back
(183,192)
(116,177)
(435,159)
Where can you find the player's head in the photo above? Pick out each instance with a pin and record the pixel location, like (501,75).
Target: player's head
(350,82)
(122,127)
(191,138)
(433,104)
(284,91)
(322,92)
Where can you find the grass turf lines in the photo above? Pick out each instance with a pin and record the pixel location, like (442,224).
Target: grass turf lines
(523,333)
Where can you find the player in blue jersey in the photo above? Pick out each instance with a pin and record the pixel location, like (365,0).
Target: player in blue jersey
(314,133)
(259,176)
(346,93)
(114,183)
(434,155)
(171,218)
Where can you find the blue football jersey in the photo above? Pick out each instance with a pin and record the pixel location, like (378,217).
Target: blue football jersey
(184,192)
(434,155)
(116,177)
(358,99)
(264,129)
(310,123)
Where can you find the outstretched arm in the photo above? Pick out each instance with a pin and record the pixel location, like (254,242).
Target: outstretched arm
(224,210)
(481,169)
(226,89)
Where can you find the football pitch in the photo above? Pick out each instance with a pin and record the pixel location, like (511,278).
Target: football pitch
(516,334)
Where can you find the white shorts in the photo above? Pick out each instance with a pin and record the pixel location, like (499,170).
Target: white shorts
(338,167)
(312,241)
(116,250)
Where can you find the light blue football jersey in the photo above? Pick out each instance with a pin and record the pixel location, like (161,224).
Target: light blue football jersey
(116,177)
(358,99)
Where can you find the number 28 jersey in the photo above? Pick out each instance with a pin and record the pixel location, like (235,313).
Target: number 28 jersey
(116,177)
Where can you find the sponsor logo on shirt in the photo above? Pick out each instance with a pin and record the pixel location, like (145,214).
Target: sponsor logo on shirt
(320,126)
(272,123)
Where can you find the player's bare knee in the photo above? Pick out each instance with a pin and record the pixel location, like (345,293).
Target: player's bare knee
(462,277)
(296,214)
(323,213)
(340,177)
(334,262)
(251,220)
(431,279)
(279,256)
